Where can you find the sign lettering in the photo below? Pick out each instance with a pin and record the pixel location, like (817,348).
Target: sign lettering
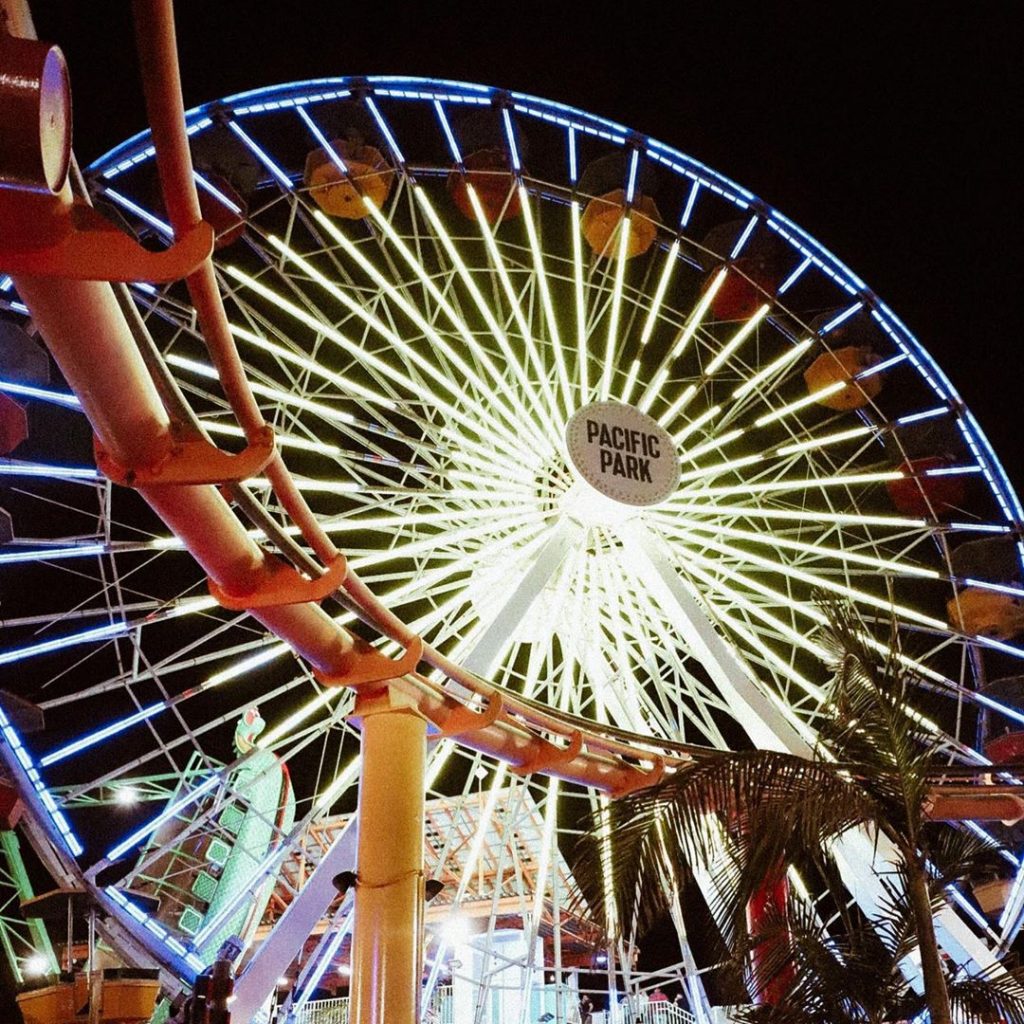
(623,453)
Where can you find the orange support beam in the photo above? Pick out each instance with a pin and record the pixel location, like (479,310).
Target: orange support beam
(387,952)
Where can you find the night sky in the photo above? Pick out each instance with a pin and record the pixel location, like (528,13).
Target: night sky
(888,140)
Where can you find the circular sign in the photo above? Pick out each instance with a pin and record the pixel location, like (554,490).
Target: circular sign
(623,453)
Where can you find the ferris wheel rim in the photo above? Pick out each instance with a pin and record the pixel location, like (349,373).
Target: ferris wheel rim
(125,154)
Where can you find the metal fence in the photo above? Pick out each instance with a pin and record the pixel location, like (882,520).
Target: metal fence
(336,1011)
(651,1013)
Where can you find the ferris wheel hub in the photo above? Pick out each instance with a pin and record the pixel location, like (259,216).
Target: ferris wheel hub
(622,454)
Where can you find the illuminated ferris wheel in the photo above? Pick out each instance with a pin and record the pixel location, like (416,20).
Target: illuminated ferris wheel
(593,421)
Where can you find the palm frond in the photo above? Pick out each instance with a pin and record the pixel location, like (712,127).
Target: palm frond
(737,816)
(957,854)
(996,995)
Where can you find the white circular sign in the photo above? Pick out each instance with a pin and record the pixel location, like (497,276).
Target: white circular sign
(623,453)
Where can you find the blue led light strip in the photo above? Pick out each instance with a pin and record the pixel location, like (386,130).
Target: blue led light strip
(87,636)
(744,236)
(207,186)
(926,415)
(50,554)
(169,812)
(13,740)
(11,387)
(11,467)
(141,212)
(884,365)
(448,134)
(101,734)
(155,928)
(317,134)
(385,130)
(282,179)
(511,136)
(634,162)
(840,318)
(690,200)
(792,279)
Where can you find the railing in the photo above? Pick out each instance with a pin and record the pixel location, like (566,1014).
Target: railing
(652,1013)
(336,1011)
(320,1011)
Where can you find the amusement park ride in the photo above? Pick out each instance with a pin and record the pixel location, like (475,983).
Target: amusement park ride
(444,461)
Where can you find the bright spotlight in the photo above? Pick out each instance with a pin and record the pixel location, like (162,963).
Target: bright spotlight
(36,965)
(127,796)
(455,929)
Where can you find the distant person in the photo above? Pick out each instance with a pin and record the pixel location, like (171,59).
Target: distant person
(586,1010)
(659,1006)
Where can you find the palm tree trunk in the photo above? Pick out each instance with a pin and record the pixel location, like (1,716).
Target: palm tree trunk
(935,993)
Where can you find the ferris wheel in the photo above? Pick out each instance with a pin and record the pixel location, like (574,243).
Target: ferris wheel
(593,421)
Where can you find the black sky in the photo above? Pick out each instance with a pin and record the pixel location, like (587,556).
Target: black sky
(886,131)
(889,138)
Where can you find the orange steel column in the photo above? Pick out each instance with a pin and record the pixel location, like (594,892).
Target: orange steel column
(387,955)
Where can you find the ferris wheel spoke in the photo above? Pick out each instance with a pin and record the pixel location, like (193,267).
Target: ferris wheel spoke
(512,298)
(764,719)
(554,336)
(145,713)
(580,303)
(783,629)
(515,411)
(718,360)
(310,366)
(686,696)
(422,471)
(510,443)
(819,582)
(497,332)
(762,650)
(787,486)
(755,388)
(818,551)
(339,419)
(654,308)
(797,515)
(465,373)
(715,569)
(757,649)
(870,432)
(165,748)
(388,370)
(170,665)
(100,634)
(618,244)
(678,348)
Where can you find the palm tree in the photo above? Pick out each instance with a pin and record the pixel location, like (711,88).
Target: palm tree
(743,816)
(850,971)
